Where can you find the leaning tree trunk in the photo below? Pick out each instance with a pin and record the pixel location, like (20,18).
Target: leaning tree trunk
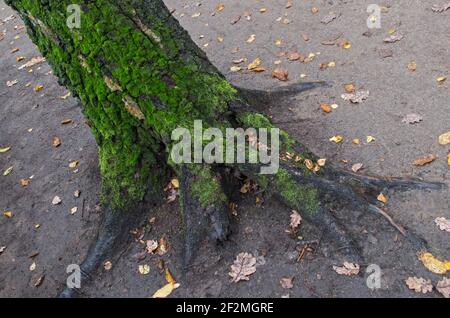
(139,76)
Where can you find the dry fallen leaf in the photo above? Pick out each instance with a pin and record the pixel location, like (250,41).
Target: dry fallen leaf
(441,79)
(251,39)
(11,83)
(326,108)
(243,267)
(321,162)
(8,214)
(357,166)
(433,264)
(443,287)
(166,290)
(444,139)
(6,149)
(73,210)
(424,160)
(287,282)
(393,38)
(74,164)
(296,219)
(382,198)
(443,224)
(2,249)
(337,139)
(412,66)
(24,182)
(349,88)
(419,285)
(357,97)
(441,7)
(107,265)
(330,17)
(280,74)
(56,142)
(56,200)
(151,246)
(32,266)
(8,171)
(144,269)
(253,65)
(32,62)
(348,269)
(370,139)
(412,119)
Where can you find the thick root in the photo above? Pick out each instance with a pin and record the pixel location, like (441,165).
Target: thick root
(204,208)
(113,232)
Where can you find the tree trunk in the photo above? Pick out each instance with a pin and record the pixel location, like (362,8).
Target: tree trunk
(139,76)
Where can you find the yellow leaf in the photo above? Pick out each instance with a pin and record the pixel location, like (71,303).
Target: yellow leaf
(8,171)
(321,162)
(8,214)
(444,139)
(337,139)
(433,264)
(169,277)
(254,64)
(441,79)
(412,66)
(356,141)
(144,269)
(382,198)
(370,139)
(74,164)
(448,159)
(3,150)
(165,291)
(346,45)
(175,183)
(38,88)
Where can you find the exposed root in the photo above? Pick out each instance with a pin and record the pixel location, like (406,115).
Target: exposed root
(113,231)
(204,208)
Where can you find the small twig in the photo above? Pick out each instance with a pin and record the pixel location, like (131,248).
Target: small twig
(389,218)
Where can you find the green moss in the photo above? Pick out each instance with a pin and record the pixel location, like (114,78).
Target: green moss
(109,44)
(302,197)
(206,188)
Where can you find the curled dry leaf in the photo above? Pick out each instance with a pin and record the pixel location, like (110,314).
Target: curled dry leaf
(443,224)
(419,285)
(357,97)
(296,219)
(107,265)
(441,7)
(24,182)
(4,150)
(32,62)
(357,166)
(56,200)
(326,108)
(382,198)
(144,269)
(151,246)
(412,119)
(337,139)
(56,142)
(243,267)
(253,65)
(393,38)
(11,83)
(330,17)
(443,287)
(444,139)
(8,171)
(348,269)
(287,282)
(433,264)
(280,74)
(424,160)
(2,249)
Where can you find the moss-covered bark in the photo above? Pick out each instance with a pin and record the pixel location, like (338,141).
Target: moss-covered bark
(138,76)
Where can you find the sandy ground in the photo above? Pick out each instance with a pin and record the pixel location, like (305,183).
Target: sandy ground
(51,238)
